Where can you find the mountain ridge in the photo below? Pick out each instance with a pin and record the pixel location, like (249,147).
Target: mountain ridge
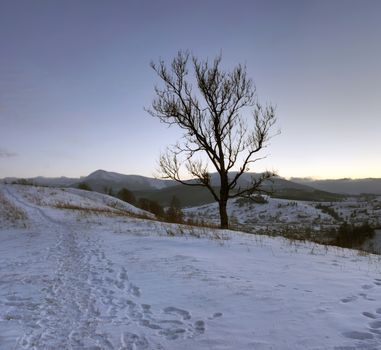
(344,186)
(162,190)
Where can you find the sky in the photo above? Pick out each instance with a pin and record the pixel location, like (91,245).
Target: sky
(75,79)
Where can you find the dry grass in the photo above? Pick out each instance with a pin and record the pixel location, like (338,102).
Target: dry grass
(91,210)
(10,213)
(186,230)
(106,211)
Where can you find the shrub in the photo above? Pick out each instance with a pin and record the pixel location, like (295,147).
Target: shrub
(328,210)
(108,190)
(352,236)
(258,199)
(174,213)
(127,196)
(84,186)
(151,206)
(24,182)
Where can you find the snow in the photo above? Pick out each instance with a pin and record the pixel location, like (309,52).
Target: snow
(72,197)
(77,279)
(275,212)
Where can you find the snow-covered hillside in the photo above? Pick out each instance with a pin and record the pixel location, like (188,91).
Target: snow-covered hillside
(275,215)
(82,276)
(272,214)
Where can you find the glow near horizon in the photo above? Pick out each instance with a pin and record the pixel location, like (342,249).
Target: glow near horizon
(75,76)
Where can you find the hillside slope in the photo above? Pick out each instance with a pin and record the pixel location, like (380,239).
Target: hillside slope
(91,279)
(345,186)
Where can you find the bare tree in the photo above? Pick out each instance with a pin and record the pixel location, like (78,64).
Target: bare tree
(212,116)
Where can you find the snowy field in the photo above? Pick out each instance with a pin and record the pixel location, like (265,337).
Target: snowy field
(79,271)
(284,216)
(279,212)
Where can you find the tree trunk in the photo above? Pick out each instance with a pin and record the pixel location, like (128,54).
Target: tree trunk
(224,221)
(224,195)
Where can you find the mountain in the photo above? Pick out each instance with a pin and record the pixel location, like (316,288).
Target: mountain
(162,191)
(344,186)
(195,196)
(101,179)
(44,181)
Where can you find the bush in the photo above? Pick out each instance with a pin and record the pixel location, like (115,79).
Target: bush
(151,206)
(352,236)
(258,199)
(24,182)
(84,186)
(174,213)
(127,196)
(328,210)
(108,190)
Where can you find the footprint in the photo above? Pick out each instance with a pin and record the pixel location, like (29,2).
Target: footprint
(369,315)
(135,291)
(146,308)
(134,310)
(349,299)
(367,286)
(132,341)
(366,297)
(174,322)
(185,315)
(147,323)
(199,327)
(215,315)
(358,335)
(172,334)
(123,274)
(103,341)
(375,324)
(119,284)
(375,331)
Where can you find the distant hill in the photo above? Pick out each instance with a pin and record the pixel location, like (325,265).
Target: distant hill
(162,191)
(195,196)
(101,179)
(344,186)
(45,181)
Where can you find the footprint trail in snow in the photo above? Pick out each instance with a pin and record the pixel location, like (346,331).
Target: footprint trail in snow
(87,292)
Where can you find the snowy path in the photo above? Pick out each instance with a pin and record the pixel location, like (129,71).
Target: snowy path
(93,282)
(68,316)
(87,291)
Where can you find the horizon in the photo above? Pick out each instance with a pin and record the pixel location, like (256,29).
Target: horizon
(75,79)
(161,178)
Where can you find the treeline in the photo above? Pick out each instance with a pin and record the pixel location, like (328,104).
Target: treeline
(172,214)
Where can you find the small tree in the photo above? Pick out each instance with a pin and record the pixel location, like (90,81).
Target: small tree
(151,206)
(212,118)
(108,190)
(127,196)
(174,212)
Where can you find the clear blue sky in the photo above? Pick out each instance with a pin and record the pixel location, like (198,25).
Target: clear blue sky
(75,77)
